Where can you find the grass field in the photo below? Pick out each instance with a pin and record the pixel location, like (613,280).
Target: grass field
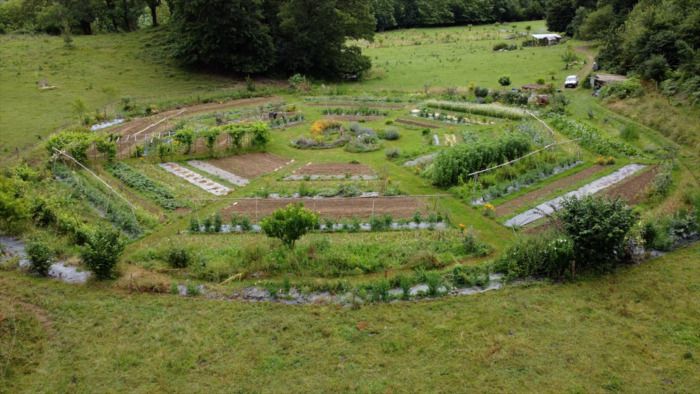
(412,60)
(99,71)
(634,331)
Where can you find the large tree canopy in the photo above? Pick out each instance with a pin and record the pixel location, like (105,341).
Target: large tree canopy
(256,36)
(228,34)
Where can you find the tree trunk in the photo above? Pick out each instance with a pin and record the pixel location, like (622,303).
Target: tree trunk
(86,27)
(154,14)
(127,23)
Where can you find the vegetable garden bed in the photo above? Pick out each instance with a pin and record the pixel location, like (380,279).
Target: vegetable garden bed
(337,208)
(551,206)
(251,165)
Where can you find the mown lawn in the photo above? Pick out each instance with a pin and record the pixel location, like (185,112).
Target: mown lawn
(636,330)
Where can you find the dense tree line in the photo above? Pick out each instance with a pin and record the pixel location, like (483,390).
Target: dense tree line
(657,40)
(392,14)
(259,36)
(79,16)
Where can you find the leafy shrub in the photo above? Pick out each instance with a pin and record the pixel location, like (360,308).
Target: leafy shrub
(542,256)
(504,81)
(392,153)
(178,257)
(390,134)
(598,228)
(622,90)
(662,183)
(480,92)
(629,133)
(40,255)
(194,225)
(290,223)
(474,247)
(102,252)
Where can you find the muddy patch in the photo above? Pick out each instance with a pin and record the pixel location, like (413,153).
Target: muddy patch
(418,292)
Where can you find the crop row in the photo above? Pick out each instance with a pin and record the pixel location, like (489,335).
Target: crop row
(118,214)
(135,180)
(589,137)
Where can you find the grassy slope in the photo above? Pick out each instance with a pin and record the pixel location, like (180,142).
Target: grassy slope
(635,330)
(459,56)
(99,71)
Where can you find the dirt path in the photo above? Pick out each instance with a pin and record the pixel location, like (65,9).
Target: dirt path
(587,51)
(511,206)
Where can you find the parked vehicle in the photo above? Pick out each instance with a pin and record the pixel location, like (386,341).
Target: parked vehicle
(571,82)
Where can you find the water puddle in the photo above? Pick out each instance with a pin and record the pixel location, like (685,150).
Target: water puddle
(417,292)
(14,248)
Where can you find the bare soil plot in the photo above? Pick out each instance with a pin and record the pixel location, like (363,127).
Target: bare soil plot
(511,206)
(251,165)
(551,206)
(633,190)
(334,169)
(336,208)
(419,123)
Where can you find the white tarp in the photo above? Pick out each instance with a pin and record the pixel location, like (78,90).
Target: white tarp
(196,179)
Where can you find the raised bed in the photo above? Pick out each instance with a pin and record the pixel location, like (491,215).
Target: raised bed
(418,123)
(513,205)
(332,171)
(335,208)
(192,177)
(596,186)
